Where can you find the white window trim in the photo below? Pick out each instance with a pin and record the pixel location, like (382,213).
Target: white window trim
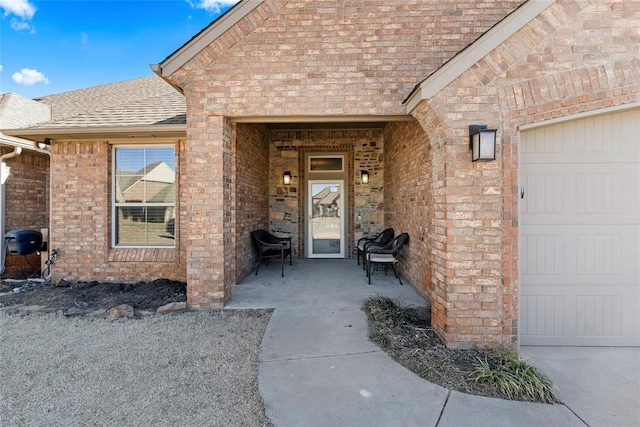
(115,205)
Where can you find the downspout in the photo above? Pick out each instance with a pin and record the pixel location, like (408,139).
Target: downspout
(4,176)
(4,170)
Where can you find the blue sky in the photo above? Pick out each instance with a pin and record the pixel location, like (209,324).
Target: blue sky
(50,46)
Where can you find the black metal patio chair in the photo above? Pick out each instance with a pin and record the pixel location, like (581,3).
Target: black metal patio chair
(381,239)
(270,246)
(387,256)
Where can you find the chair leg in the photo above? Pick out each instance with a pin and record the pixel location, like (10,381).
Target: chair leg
(396,273)
(369,271)
(258,268)
(282,262)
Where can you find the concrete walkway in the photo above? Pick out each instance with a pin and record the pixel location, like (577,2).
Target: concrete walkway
(318,368)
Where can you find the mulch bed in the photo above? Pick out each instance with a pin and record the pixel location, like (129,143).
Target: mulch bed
(98,295)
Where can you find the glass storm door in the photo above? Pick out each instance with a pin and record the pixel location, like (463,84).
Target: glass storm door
(325,236)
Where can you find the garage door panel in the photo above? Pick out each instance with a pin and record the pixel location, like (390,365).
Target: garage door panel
(579,315)
(578,255)
(609,138)
(580,232)
(580,194)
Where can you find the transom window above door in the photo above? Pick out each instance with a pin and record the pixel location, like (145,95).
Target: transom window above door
(326,164)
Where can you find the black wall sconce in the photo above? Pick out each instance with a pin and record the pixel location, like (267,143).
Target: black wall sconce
(364,177)
(482,143)
(286,178)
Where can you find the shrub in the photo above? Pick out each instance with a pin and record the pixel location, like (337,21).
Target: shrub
(514,376)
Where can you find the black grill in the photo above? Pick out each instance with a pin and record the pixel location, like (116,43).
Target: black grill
(23,241)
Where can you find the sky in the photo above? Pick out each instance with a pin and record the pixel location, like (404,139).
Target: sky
(51,46)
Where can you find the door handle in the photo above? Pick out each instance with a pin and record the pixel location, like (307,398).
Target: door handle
(522,192)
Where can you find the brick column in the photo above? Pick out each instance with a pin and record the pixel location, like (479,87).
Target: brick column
(466,230)
(208,211)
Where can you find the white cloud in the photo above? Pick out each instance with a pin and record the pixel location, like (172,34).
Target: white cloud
(29,77)
(0,67)
(22,26)
(210,5)
(21,8)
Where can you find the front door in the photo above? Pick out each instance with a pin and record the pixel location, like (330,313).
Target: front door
(325,207)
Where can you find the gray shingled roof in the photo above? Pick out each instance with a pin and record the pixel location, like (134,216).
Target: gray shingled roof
(138,102)
(18,112)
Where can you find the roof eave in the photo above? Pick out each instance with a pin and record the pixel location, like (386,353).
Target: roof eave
(207,36)
(460,63)
(144,131)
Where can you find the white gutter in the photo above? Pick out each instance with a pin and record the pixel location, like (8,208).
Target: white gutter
(19,144)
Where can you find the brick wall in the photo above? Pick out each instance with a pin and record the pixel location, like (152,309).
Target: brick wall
(26,202)
(407,196)
(302,58)
(332,57)
(210,218)
(81,221)
(363,149)
(252,191)
(574,57)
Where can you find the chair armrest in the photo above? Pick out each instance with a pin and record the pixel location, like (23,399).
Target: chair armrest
(380,251)
(271,245)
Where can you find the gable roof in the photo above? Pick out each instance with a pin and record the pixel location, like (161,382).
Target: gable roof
(143,105)
(205,37)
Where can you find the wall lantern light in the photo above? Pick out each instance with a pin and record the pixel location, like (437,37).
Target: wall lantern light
(286,178)
(364,177)
(482,143)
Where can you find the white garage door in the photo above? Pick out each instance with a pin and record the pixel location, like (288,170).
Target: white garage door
(580,232)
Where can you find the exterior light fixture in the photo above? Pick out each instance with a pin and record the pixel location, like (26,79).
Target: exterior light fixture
(286,178)
(364,177)
(482,143)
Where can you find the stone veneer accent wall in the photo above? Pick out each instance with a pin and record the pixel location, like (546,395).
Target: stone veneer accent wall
(252,191)
(363,149)
(26,201)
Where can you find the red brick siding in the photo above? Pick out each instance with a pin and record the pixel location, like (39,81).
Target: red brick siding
(332,57)
(305,58)
(210,220)
(555,66)
(81,224)
(26,202)
(407,195)
(252,191)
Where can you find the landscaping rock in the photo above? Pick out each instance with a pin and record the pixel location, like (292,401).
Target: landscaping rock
(173,307)
(122,310)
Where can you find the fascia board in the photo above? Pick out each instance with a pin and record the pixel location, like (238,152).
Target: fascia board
(208,36)
(75,133)
(460,63)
